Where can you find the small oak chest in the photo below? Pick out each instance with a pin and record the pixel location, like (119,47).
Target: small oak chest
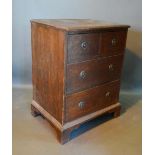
(76,70)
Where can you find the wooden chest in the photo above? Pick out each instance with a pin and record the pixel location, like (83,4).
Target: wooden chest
(76,69)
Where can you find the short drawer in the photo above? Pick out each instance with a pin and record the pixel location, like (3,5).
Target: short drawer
(91,100)
(84,75)
(113,43)
(82,47)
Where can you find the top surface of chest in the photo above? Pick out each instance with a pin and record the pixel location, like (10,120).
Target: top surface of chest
(78,24)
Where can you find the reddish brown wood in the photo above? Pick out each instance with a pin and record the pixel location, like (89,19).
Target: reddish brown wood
(96,45)
(48,68)
(65,71)
(96,72)
(83,47)
(113,43)
(92,99)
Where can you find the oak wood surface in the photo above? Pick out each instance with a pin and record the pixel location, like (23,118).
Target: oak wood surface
(75,51)
(97,44)
(78,24)
(96,72)
(48,68)
(76,69)
(109,49)
(110,109)
(92,99)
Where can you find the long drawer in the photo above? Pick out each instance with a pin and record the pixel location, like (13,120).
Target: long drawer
(91,100)
(88,74)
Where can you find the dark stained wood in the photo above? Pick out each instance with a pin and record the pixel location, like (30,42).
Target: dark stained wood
(96,72)
(101,44)
(92,99)
(48,68)
(113,43)
(76,68)
(83,47)
(117,112)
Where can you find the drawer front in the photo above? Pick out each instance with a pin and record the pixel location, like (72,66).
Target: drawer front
(84,75)
(83,103)
(82,47)
(113,43)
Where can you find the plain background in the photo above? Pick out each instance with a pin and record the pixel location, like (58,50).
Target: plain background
(119,11)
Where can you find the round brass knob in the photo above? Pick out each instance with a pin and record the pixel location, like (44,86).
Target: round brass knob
(81,104)
(113,41)
(107,94)
(111,67)
(84,45)
(83,74)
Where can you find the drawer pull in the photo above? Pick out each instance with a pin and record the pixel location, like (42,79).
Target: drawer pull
(114,41)
(107,94)
(111,67)
(83,74)
(81,105)
(84,45)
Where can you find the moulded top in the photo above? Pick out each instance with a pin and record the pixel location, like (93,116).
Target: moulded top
(78,24)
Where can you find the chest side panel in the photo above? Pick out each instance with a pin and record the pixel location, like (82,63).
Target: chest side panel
(48,68)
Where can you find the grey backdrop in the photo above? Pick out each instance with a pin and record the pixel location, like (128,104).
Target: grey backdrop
(120,11)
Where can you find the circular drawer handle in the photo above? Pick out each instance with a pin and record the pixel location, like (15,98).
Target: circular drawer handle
(111,67)
(84,45)
(83,74)
(107,94)
(81,104)
(113,41)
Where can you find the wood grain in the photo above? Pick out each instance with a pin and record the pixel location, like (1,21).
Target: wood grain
(79,24)
(46,114)
(106,46)
(37,108)
(97,45)
(76,53)
(96,72)
(48,68)
(92,99)
(110,109)
(76,69)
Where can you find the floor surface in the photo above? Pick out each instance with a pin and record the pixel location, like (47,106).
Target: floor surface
(35,136)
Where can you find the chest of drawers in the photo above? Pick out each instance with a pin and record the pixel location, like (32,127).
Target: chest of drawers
(76,69)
